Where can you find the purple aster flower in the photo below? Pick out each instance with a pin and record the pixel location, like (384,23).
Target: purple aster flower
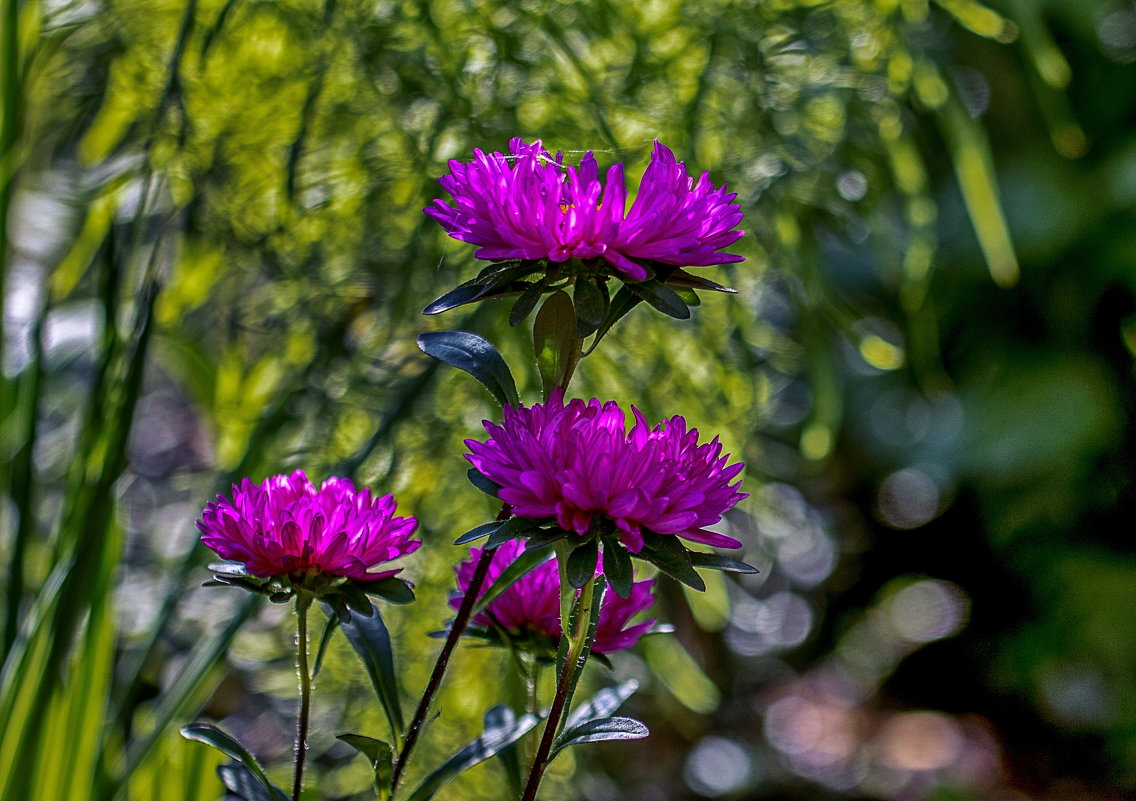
(530,206)
(578,461)
(531,605)
(284,526)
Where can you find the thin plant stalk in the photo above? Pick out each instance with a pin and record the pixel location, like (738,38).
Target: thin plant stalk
(465,611)
(303,603)
(577,646)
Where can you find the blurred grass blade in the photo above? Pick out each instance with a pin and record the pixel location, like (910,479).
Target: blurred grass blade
(970,152)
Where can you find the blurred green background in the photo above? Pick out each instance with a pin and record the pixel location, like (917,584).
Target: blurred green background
(214,263)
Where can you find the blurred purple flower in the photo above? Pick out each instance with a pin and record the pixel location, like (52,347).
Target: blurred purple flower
(531,605)
(573,462)
(530,206)
(285,526)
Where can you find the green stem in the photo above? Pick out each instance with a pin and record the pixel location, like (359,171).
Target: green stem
(574,662)
(303,603)
(465,611)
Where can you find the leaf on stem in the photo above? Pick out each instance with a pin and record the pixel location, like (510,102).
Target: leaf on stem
(527,302)
(624,301)
(528,561)
(379,754)
(325,640)
(228,745)
(591,303)
(617,567)
(511,529)
(392,590)
(502,729)
(594,731)
(581,565)
(662,297)
(555,343)
(240,781)
(372,644)
(602,704)
(481,482)
(496,280)
(474,355)
(671,556)
(715,561)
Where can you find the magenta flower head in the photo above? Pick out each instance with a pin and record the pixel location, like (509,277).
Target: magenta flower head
(577,467)
(534,213)
(286,530)
(528,612)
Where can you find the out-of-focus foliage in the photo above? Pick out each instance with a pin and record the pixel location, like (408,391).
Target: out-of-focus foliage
(214,267)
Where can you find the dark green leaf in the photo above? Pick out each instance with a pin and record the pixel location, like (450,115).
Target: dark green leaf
(555,343)
(496,279)
(595,731)
(602,704)
(526,562)
(474,355)
(240,781)
(662,298)
(379,754)
(393,590)
(617,567)
(688,296)
(591,306)
(543,537)
(681,278)
(510,530)
(670,556)
(716,561)
(229,746)
(581,567)
(527,302)
(477,532)
(502,729)
(325,640)
(356,598)
(371,641)
(624,301)
(481,482)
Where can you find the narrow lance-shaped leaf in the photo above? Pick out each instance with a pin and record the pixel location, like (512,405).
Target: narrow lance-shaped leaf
(602,704)
(715,561)
(474,355)
(671,556)
(497,279)
(371,641)
(502,729)
(240,781)
(528,561)
(662,297)
(614,728)
(624,301)
(228,745)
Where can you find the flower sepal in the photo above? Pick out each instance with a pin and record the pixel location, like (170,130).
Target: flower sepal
(344,595)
